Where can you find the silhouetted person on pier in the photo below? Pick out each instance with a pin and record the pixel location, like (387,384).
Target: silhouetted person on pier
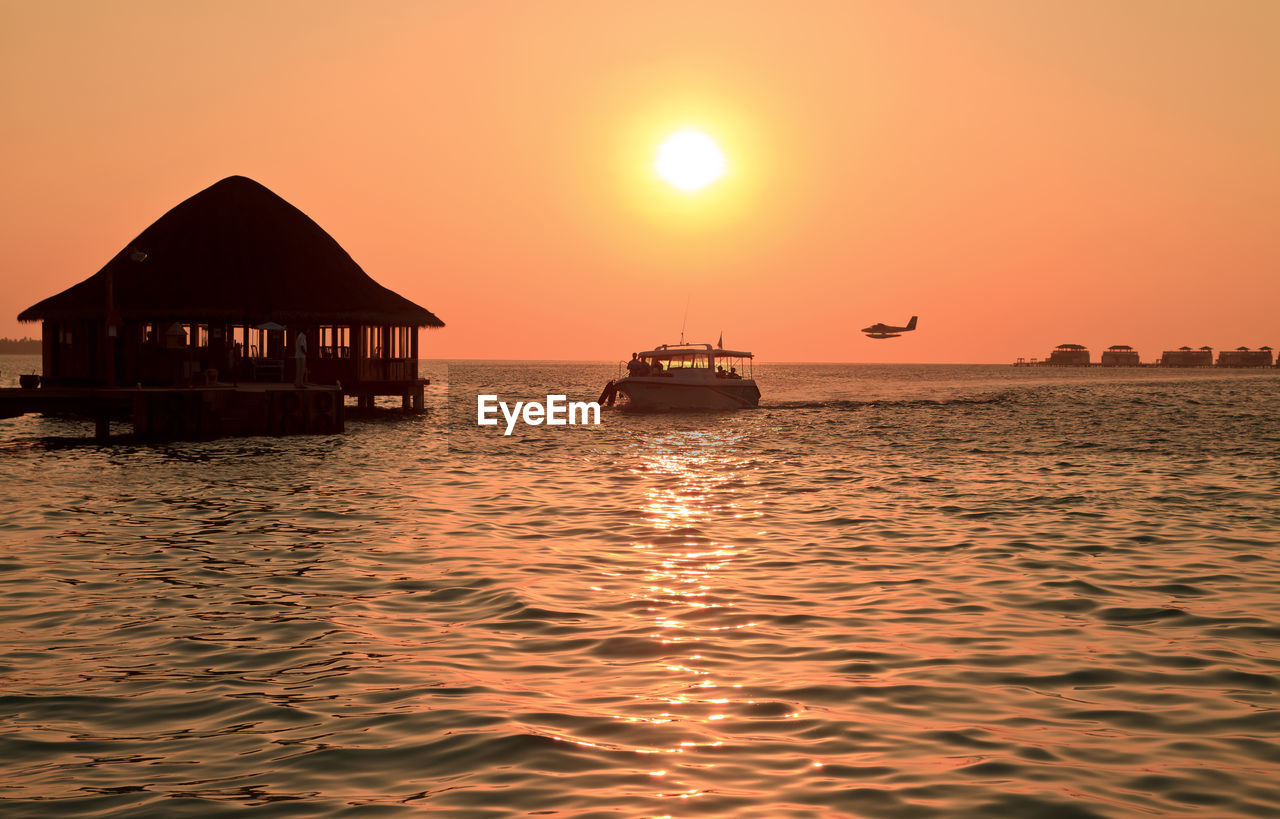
(300,359)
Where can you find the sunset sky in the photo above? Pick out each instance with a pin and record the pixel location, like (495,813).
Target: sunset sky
(1018,174)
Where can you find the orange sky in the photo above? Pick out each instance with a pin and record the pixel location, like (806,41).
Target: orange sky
(1019,174)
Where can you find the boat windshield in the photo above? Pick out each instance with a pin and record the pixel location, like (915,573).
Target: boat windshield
(687,361)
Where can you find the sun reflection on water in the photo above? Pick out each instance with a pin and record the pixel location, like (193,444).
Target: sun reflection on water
(685,580)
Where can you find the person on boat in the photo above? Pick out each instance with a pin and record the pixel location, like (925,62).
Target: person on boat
(733,373)
(636,366)
(656,369)
(720,373)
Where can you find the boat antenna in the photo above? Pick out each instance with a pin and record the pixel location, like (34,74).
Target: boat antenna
(686,317)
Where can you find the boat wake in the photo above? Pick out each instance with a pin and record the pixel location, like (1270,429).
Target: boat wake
(848,404)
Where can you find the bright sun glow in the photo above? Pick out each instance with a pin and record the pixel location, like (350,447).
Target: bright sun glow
(690,160)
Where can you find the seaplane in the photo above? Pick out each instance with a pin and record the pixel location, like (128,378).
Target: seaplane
(888,330)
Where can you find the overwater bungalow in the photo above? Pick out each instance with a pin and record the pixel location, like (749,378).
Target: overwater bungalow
(218,290)
(1120,355)
(1187,357)
(1244,357)
(1069,355)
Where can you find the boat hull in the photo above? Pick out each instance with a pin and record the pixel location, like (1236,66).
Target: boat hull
(648,394)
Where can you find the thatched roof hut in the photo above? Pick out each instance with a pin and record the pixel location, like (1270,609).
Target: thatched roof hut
(227,283)
(239,252)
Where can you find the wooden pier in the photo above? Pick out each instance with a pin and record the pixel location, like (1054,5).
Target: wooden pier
(191,413)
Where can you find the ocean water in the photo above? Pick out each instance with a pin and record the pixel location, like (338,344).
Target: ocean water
(892,591)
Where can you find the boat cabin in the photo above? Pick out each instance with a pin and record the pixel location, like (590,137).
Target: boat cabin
(698,360)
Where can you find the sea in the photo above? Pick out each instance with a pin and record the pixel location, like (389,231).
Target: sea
(891,591)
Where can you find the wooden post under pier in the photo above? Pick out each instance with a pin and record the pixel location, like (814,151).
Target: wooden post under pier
(412,398)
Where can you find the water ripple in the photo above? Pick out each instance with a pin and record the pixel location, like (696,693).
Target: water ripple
(957,593)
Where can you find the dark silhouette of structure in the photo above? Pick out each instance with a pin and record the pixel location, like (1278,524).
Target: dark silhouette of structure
(1187,357)
(1069,355)
(1244,357)
(19,346)
(218,289)
(1120,355)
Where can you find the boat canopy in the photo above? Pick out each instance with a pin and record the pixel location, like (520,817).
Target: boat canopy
(669,351)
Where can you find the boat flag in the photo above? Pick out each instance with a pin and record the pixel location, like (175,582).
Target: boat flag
(720,343)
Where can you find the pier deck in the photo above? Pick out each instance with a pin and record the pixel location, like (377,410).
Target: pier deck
(187,413)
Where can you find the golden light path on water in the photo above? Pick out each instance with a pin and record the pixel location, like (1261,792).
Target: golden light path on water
(683,585)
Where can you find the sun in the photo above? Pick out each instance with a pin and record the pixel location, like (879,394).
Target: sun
(690,160)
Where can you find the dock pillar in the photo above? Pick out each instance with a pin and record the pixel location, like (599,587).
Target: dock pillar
(101,427)
(419,399)
(406,402)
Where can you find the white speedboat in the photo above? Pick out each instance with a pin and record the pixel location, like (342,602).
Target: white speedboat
(686,377)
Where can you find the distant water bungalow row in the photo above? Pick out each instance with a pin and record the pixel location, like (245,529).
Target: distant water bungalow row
(234,313)
(1123,355)
(19,346)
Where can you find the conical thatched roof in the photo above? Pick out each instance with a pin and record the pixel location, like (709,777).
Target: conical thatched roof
(235,251)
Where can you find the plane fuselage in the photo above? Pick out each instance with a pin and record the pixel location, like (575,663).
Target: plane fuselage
(888,330)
